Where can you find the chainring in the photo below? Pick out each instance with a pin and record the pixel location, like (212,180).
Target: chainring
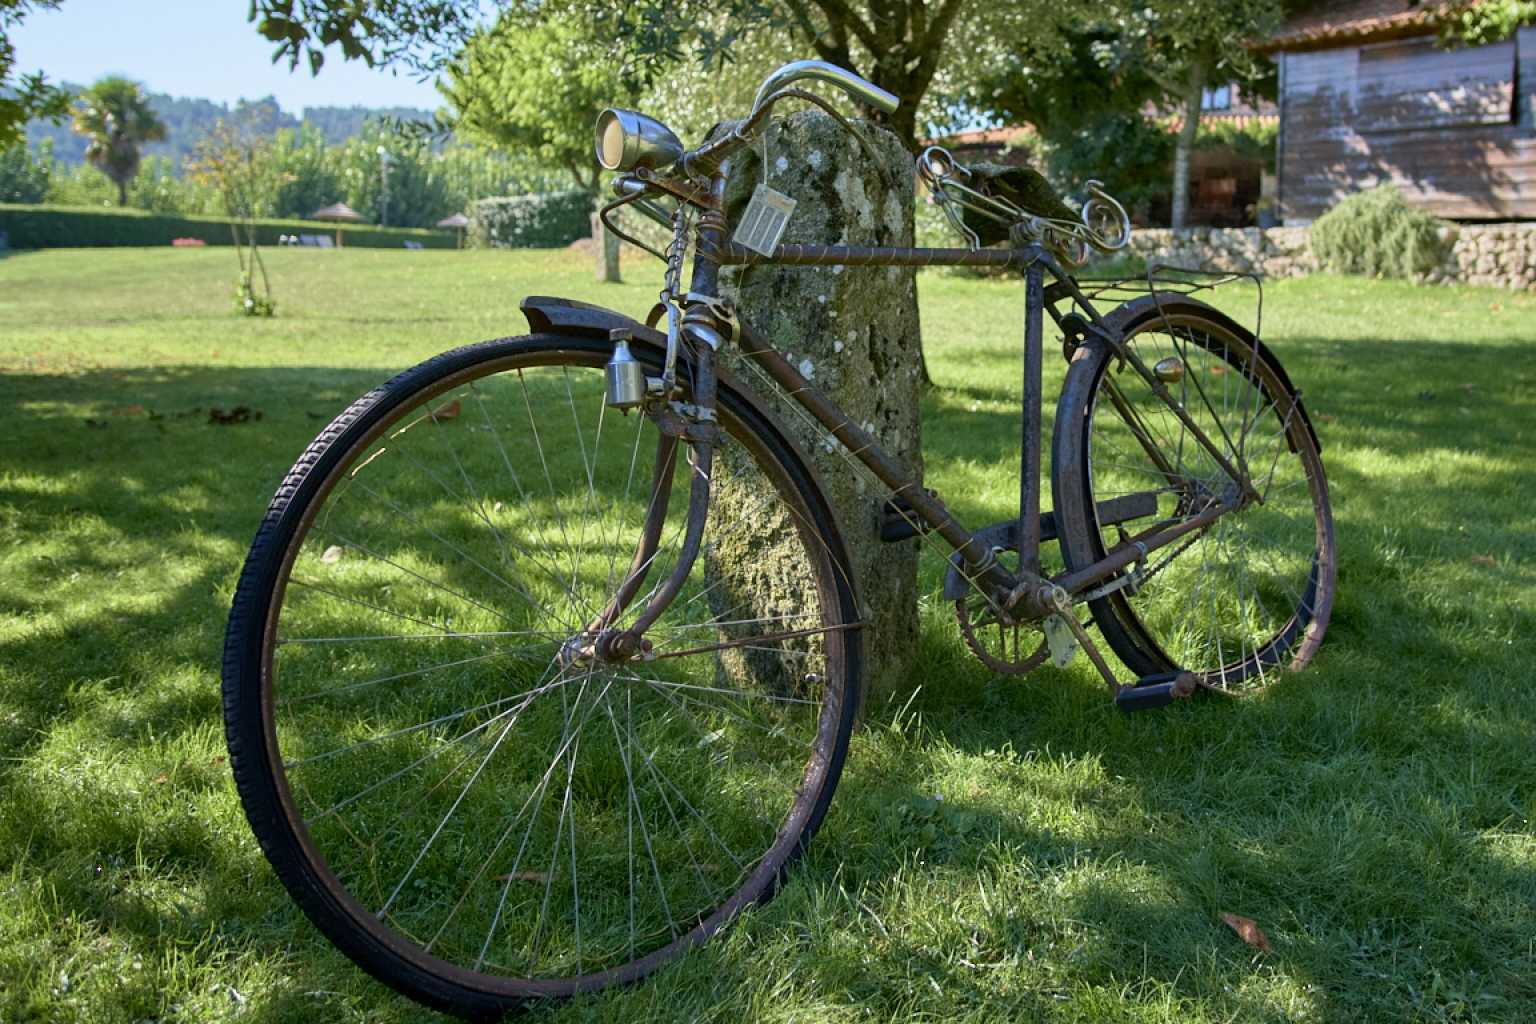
(996,645)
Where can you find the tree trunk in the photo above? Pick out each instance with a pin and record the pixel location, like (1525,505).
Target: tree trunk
(606,246)
(122,193)
(854,333)
(1185,144)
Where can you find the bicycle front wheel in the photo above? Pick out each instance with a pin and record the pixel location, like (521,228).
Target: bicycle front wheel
(463,798)
(1238,600)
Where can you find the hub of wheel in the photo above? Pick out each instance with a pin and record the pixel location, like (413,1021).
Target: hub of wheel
(614,646)
(610,647)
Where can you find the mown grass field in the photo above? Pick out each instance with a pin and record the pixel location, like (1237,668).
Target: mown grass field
(999,849)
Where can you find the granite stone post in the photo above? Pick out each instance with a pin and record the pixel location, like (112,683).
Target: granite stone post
(853,332)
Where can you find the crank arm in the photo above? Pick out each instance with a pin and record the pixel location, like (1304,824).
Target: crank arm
(1152,692)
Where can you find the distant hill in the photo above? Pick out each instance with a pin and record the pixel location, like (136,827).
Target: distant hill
(187,120)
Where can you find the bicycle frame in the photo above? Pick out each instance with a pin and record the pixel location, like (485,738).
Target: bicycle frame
(1023,594)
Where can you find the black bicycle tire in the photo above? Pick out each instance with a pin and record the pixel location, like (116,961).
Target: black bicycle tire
(1071,484)
(252,746)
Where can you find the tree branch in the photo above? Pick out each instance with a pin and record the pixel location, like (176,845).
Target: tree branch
(838,11)
(802,18)
(931,45)
(934,39)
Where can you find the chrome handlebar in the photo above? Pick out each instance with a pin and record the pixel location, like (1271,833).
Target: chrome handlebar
(857,88)
(779,85)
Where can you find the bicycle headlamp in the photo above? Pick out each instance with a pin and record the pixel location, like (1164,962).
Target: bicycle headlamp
(627,139)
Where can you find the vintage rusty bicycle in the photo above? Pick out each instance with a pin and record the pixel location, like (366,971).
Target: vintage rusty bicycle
(515,716)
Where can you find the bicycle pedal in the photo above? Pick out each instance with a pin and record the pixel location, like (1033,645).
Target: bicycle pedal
(1155,691)
(899,521)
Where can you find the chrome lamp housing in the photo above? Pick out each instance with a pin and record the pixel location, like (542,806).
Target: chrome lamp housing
(627,139)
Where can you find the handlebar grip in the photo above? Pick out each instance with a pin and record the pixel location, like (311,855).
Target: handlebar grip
(859,88)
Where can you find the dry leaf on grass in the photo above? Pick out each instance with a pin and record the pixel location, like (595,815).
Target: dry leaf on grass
(331,555)
(1488,560)
(524,876)
(1248,930)
(446,412)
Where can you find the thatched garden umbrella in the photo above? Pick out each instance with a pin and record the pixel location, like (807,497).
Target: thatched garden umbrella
(340,213)
(458,222)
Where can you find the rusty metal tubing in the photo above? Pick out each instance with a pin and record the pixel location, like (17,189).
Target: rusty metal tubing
(1029,457)
(892,472)
(1140,546)
(1161,391)
(705,391)
(645,552)
(879,256)
(698,515)
(1066,283)
(709,158)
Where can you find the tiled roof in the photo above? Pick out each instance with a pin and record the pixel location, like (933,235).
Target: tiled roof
(1359,21)
(1242,120)
(1006,136)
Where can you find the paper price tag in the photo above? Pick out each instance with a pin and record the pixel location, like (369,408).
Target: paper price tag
(765,220)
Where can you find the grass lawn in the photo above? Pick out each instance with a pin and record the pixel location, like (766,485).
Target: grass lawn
(999,849)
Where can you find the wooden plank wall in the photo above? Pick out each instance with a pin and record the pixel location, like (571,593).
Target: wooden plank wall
(1455,130)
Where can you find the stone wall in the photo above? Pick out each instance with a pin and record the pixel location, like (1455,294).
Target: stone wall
(1501,255)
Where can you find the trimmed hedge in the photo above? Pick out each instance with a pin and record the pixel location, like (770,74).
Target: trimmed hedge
(55,227)
(545,220)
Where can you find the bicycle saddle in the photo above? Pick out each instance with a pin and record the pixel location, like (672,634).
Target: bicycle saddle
(1024,187)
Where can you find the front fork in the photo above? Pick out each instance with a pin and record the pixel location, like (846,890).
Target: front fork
(702,327)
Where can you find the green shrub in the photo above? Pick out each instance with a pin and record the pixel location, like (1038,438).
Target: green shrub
(542,221)
(54,227)
(23,177)
(1377,233)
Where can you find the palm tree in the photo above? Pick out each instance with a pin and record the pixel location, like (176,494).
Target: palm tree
(116,116)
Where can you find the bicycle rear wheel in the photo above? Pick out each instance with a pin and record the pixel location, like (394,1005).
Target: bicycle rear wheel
(1238,600)
(472,808)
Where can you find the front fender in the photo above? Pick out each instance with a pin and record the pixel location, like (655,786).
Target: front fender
(548,314)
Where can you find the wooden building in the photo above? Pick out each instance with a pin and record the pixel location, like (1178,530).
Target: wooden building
(1369,97)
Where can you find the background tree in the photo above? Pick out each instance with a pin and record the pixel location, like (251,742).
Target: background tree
(1187,46)
(1488,21)
(908,47)
(1114,59)
(26,96)
(534,86)
(25,177)
(115,116)
(240,168)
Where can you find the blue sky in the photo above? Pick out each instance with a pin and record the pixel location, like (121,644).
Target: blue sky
(200,48)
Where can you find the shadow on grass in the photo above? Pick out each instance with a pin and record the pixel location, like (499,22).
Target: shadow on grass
(1355,810)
